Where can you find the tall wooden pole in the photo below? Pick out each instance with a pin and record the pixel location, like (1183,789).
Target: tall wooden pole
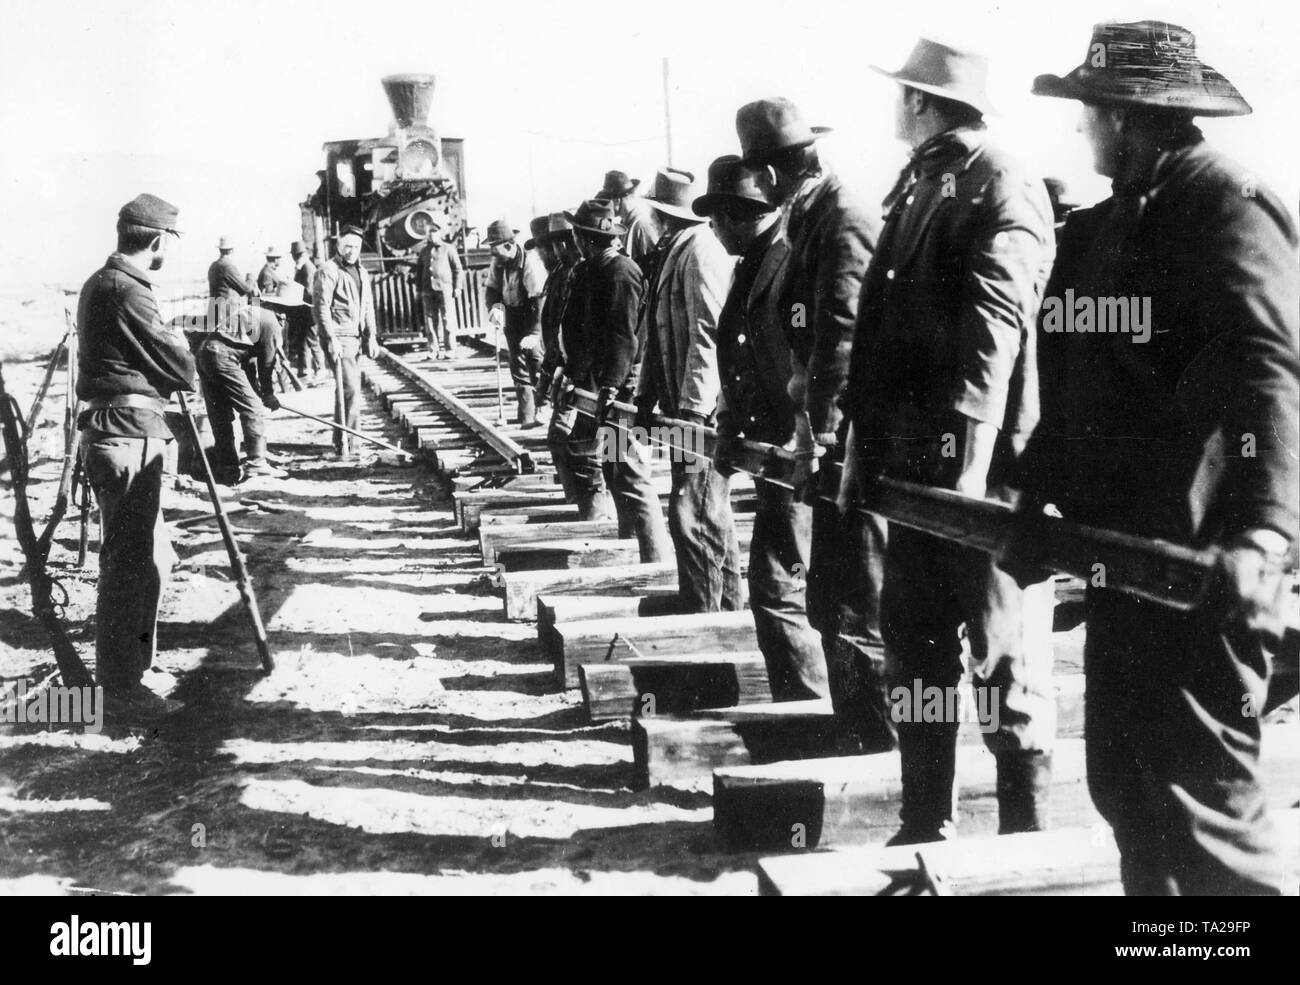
(668,112)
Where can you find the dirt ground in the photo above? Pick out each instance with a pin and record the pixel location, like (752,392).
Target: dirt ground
(409,741)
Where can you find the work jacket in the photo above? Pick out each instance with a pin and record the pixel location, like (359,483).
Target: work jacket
(601,345)
(337,306)
(123,347)
(680,323)
(945,323)
(754,358)
(831,238)
(1192,434)
(438,268)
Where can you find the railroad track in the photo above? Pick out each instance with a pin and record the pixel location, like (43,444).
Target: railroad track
(693,688)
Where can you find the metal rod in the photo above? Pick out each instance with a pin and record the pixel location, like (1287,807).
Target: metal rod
(358,434)
(237,565)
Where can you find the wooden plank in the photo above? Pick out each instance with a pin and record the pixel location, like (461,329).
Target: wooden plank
(596,640)
(548,555)
(469,505)
(495,536)
(1067,862)
(572,608)
(514,516)
(521,588)
(672,685)
(683,751)
(853,800)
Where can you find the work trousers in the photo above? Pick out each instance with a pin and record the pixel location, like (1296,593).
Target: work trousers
(1173,745)
(437,328)
(304,342)
(931,589)
(704,537)
(346,351)
(135,556)
(227,392)
(623,468)
(778,573)
(524,340)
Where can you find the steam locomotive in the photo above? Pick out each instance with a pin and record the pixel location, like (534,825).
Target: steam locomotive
(394,187)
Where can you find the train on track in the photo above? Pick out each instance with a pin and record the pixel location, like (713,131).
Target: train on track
(394,187)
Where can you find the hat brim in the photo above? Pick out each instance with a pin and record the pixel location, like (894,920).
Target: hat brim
(707,205)
(976,102)
(618,229)
(281,303)
(1082,84)
(672,209)
(607,193)
(766,156)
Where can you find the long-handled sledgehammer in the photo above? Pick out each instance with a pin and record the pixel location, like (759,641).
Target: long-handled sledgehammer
(356,434)
(237,565)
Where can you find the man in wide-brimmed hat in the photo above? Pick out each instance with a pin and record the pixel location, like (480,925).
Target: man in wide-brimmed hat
(513,291)
(130,364)
(269,277)
(601,351)
(226,282)
(552,238)
(831,236)
(754,364)
(685,286)
(1183,428)
(942,392)
(637,217)
(438,273)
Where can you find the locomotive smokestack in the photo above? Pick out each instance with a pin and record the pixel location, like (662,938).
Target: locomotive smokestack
(411,95)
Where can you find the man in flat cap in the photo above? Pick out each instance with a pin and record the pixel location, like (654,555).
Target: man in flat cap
(943,392)
(513,292)
(130,363)
(1184,430)
(344,310)
(438,272)
(755,364)
(640,221)
(601,352)
(831,236)
(684,292)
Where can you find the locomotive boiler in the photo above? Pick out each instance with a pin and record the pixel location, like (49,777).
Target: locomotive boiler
(394,188)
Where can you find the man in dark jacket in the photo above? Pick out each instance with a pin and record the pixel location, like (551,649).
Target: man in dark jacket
(303,341)
(343,307)
(754,364)
(269,278)
(225,280)
(602,350)
(1179,423)
(831,237)
(943,392)
(438,274)
(130,363)
(552,237)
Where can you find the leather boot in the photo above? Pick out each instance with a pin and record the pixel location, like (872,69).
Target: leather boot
(527,407)
(257,463)
(1024,790)
(928,751)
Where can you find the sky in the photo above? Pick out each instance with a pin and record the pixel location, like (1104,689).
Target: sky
(222,109)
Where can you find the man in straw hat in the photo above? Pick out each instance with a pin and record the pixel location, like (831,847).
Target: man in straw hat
(943,392)
(684,292)
(637,217)
(755,363)
(129,363)
(226,282)
(831,238)
(1190,436)
(439,273)
(513,292)
(601,352)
